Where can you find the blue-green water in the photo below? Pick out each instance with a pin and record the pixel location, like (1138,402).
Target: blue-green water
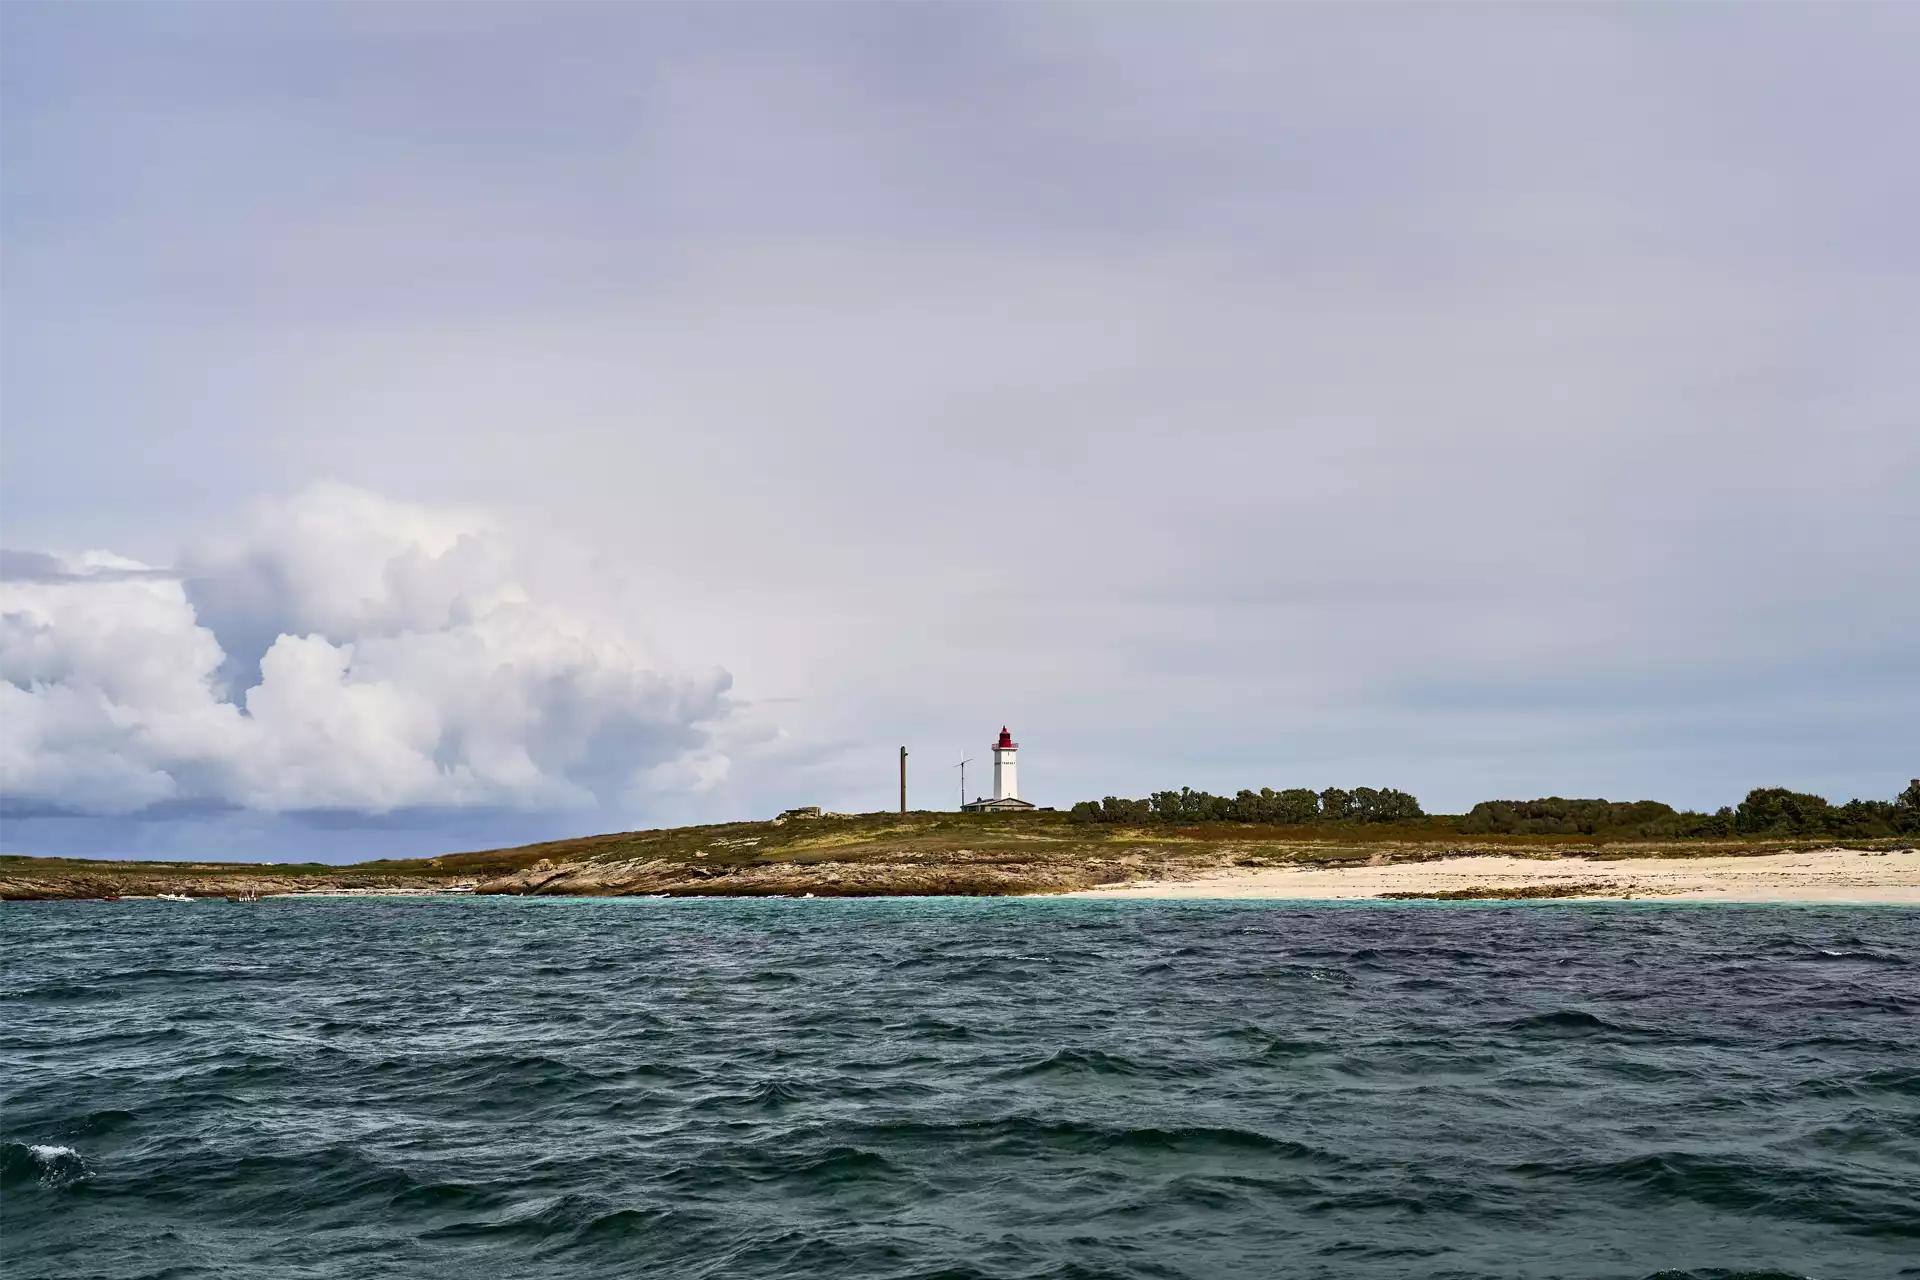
(922,1088)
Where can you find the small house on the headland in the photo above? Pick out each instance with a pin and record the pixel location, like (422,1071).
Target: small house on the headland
(1006,782)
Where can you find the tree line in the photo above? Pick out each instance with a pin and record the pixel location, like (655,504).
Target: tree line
(1767,811)
(1293,807)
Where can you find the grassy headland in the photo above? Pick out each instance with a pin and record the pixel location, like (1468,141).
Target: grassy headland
(882,854)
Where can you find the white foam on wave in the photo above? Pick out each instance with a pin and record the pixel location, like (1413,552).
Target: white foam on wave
(57,1166)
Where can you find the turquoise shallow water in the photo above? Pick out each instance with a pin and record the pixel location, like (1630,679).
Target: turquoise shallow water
(922,1088)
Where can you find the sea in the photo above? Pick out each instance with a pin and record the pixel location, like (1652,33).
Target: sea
(487,1089)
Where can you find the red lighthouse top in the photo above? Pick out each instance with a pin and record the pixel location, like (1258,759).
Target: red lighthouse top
(1006,742)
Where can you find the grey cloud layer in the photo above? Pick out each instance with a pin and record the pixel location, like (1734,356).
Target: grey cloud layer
(1470,400)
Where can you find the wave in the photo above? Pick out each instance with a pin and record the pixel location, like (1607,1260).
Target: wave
(768,1095)
(1574,1022)
(1845,948)
(495,1079)
(63,993)
(1765,1188)
(1901,1082)
(929,1028)
(786,1165)
(100,1123)
(51,1166)
(1021,1133)
(1215,1139)
(1869,957)
(1076,1062)
(432,1197)
(338,1180)
(565,1214)
(775,977)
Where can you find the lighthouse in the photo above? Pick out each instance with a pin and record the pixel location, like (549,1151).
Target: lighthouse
(1006,783)
(1006,779)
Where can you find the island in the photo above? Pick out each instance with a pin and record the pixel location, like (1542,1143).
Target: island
(1769,849)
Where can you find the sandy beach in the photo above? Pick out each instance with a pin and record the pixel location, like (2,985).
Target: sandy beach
(1813,875)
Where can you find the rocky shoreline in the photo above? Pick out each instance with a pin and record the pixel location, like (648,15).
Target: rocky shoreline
(887,855)
(123,882)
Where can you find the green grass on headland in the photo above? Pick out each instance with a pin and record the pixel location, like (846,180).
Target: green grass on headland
(1001,853)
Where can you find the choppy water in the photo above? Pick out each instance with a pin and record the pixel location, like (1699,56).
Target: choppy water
(512,1088)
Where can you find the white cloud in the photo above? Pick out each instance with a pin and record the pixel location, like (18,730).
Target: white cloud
(404,661)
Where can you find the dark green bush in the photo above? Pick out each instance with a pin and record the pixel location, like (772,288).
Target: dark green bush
(1766,811)
(1296,806)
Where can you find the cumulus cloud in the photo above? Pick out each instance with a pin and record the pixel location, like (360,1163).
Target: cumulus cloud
(344,653)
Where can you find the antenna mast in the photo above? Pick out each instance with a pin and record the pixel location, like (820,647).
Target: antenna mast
(962,766)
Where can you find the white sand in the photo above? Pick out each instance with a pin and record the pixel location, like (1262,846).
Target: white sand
(1812,875)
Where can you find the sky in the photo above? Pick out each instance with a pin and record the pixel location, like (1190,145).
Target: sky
(433,427)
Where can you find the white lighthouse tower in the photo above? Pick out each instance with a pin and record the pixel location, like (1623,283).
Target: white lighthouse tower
(1006,782)
(1006,779)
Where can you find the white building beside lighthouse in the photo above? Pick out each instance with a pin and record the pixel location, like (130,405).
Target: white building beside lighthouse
(1006,779)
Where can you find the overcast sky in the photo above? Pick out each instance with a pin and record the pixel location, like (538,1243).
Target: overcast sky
(433,427)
